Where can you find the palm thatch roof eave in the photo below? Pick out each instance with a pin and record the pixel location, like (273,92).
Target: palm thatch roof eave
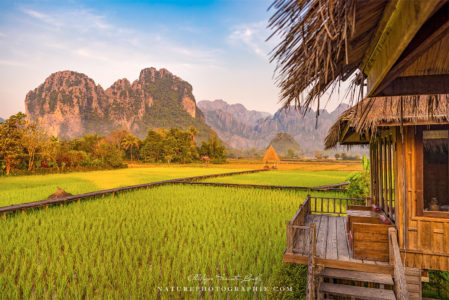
(323,42)
(366,117)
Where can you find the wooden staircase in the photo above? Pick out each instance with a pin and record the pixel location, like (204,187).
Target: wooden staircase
(339,283)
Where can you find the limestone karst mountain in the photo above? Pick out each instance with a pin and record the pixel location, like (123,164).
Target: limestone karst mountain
(242,132)
(69,104)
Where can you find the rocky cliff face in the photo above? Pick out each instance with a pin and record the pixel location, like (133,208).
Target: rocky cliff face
(241,132)
(70,104)
(237,110)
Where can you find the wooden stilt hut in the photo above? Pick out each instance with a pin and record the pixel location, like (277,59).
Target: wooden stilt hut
(271,157)
(396,55)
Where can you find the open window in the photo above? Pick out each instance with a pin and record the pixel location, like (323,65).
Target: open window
(433,155)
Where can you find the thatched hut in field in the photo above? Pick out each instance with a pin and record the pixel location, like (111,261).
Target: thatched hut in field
(396,55)
(271,156)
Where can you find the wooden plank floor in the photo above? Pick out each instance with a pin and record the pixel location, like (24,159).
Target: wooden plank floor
(332,240)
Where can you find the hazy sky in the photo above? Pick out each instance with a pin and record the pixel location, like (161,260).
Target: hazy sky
(217,46)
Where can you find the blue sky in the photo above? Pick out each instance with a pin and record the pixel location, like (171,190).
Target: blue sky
(217,46)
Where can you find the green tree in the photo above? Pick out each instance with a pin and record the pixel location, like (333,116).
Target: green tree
(129,142)
(109,154)
(152,150)
(193,133)
(291,153)
(169,148)
(11,149)
(117,136)
(88,143)
(365,163)
(359,186)
(214,149)
(33,140)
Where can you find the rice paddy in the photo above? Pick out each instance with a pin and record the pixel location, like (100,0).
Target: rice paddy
(22,189)
(149,244)
(287,178)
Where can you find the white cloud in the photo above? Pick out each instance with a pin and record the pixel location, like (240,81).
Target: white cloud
(39,43)
(252,36)
(12,63)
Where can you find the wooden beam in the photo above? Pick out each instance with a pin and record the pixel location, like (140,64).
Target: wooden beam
(404,21)
(417,85)
(339,264)
(432,31)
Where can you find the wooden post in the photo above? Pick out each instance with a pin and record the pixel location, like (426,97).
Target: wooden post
(23,212)
(380,175)
(4,216)
(390,247)
(46,207)
(289,238)
(390,177)
(310,294)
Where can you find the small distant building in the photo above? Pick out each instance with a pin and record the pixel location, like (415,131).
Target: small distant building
(271,156)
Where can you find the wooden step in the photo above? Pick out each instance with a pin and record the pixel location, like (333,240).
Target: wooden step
(357,292)
(357,276)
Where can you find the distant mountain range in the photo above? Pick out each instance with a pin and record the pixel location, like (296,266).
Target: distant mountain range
(2,120)
(240,128)
(283,142)
(69,104)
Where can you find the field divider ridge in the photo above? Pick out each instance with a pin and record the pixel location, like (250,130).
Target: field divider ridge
(187,180)
(45,203)
(262,186)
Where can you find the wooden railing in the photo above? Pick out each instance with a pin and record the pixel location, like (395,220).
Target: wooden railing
(400,283)
(310,293)
(297,232)
(332,205)
(302,239)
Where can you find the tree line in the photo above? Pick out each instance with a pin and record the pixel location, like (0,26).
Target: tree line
(26,148)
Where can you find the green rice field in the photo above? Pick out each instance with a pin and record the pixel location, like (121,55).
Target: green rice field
(291,178)
(22,189)
(144,244)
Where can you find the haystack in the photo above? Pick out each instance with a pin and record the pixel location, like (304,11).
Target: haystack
(271,156)
(60,193)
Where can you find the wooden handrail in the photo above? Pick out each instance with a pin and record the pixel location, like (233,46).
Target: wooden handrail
(304,209)
(296,231)
(400,283)
(334,205)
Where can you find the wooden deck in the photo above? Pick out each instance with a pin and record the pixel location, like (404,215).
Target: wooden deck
(332,247)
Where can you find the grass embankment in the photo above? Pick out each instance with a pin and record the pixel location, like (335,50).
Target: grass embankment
(300,165)
(22,189)
(129,245)
(286,178)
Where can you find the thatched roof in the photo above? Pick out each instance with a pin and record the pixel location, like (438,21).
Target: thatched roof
(270,155)
(384,44)
(364,119)
(322,41)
